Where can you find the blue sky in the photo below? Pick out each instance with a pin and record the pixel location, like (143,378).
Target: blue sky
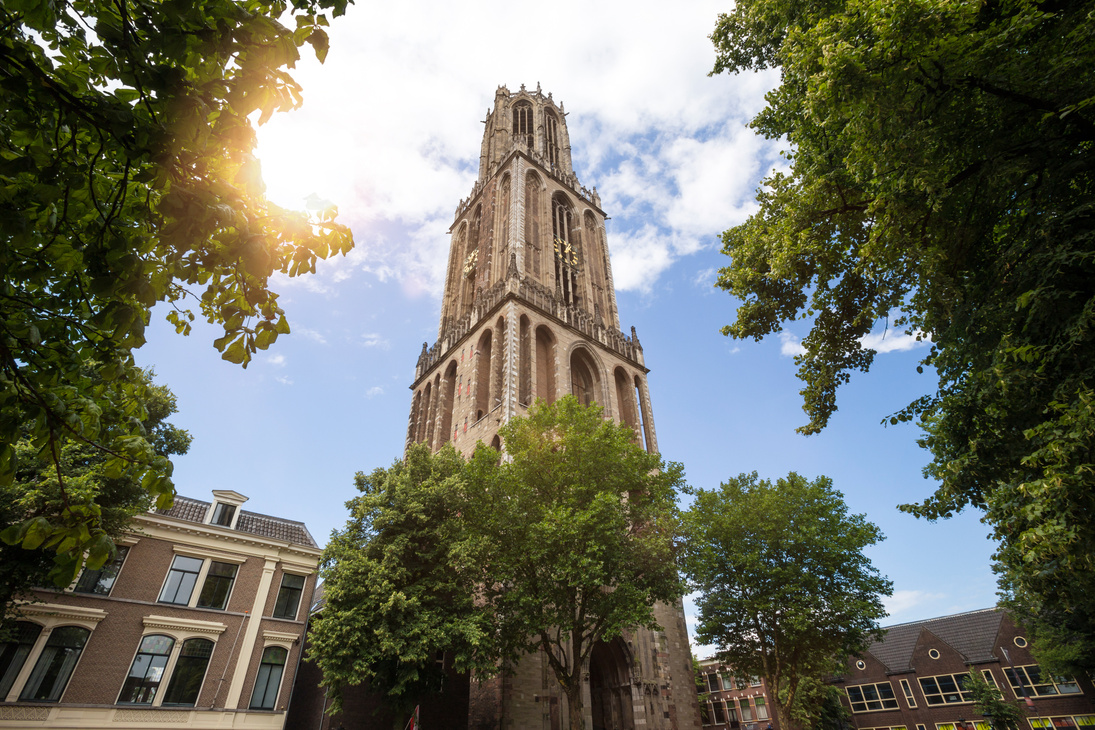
(390,132)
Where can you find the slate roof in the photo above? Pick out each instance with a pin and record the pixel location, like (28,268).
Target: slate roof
(277,528)
(973,635)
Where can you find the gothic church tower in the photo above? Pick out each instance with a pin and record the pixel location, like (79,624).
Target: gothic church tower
(529,311)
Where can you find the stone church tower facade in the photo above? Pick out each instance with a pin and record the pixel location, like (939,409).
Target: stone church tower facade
(529,311)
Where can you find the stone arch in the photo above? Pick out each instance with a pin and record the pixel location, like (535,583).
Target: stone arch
(585,376)
(625,401)
(472,262)
(424,414)
(566,244)
(643,413)
(416,416)
(505,205)
(482,375)
(534,187)
(545,364)
(524,361)
(551,138)
(593,261)
(447,403)
(523,125)
(497,357)
(610,686)
(496,443)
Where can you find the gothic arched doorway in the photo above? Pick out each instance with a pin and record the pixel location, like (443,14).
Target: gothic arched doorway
(610,686)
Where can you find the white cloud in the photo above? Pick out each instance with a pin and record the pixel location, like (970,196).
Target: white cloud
(374,391)
(283,380)
(372,339)
(890,341)
(789,345)
(310,334)
(906,600)
(276,360)
(665,144)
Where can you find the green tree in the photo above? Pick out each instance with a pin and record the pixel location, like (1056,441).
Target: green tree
(987,700)
(785,591)
(577,522)
(127,178)
(830,712)
(942,178)
(399,585)
(37,490)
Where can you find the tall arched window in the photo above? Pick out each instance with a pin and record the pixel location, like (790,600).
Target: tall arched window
(54,667)
(448,402)
(532,225)
(545,364)
(522,123)
(504,206)
(483,376)
(566,250)
(268,681)
(13,653)
(625,400)
(594,265)
(551,129)
(146,672)
(424,414)
(524,359)
(186,679)
(584,381)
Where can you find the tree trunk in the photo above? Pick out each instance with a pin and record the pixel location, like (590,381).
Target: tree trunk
(574,705)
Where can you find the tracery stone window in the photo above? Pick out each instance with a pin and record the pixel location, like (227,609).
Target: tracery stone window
(566,251)
(551,128)
(522,123)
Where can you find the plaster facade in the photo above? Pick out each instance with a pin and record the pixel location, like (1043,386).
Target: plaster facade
(196,624)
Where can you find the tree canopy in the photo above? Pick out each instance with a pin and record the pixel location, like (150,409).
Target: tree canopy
(942,179)
(785,591)
(564,541)
(89,484)
(399,586)
(578,524)
(127,179)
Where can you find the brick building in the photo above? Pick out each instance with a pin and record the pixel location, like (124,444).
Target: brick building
(913,678)
(529,311)
(734,703)
(197,623)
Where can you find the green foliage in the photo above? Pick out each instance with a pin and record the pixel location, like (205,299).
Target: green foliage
(942,178)
(399,586)
(578,523)
(564,542)
(830,714)
(990,703)
(35,556)
(786,592)
(701,688)
(127,179)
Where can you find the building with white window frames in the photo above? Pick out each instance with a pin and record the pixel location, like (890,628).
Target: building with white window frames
(197,622)
(734,703)
(914,678)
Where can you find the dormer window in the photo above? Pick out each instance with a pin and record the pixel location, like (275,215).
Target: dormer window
(223,514)
(225,509)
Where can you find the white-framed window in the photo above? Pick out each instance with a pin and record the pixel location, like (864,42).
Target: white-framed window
(225,509)
(762,708)
(101,581)
(907,689)
(713,682)
(167,671)
(872,697)
(216,575)
(719,712)
(945,689)
(1064,722)
(967,725)
(1028,681)
(288,602)
(746,711)
(38,661)
(891,727)
(264,696)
